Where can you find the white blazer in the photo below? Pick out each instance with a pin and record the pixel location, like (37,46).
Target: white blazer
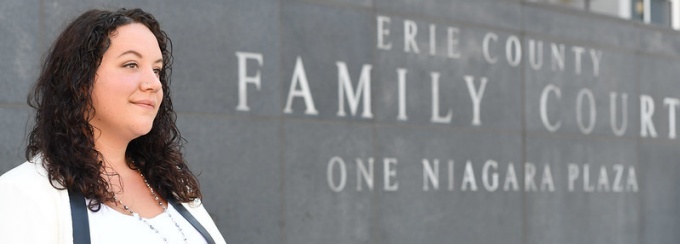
(33,211)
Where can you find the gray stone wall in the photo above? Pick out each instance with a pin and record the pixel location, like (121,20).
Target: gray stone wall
(397,121)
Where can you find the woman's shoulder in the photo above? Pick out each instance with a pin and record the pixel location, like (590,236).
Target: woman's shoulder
(32,210)
(199,212)
(28,175)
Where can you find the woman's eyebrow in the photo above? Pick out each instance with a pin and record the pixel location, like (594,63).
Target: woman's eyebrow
(139,55)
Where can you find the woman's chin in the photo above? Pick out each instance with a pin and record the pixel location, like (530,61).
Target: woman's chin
(141,130)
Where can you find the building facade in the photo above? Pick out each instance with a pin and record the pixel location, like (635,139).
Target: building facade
(399,121)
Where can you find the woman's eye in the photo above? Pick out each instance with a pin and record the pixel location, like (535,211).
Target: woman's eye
(130,65)
(157,71)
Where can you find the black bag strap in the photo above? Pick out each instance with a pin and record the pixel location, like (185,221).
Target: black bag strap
(79,219)
(187,215)
(81,224)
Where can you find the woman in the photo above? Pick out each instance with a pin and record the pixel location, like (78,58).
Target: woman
(105,129)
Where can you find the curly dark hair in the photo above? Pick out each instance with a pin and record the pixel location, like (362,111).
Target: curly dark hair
(62,98)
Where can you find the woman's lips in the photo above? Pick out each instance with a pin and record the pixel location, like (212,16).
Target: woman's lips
(145,103)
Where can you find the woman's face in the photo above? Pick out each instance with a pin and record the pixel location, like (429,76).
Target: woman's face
(127,91)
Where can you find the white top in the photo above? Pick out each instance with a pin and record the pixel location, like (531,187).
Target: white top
(33,211)
(110,226)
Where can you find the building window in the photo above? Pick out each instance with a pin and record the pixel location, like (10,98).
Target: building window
(657,12)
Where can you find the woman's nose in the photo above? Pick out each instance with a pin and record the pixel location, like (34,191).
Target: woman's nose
(151,81)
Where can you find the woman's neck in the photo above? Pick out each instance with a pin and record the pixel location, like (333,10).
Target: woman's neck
(112,152)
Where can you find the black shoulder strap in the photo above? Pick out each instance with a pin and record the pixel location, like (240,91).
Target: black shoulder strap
(185,213)
(79,219)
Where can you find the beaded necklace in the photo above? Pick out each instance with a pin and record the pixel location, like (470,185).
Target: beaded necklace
(165,210)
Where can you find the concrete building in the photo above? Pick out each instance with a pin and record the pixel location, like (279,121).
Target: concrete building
(401,121)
